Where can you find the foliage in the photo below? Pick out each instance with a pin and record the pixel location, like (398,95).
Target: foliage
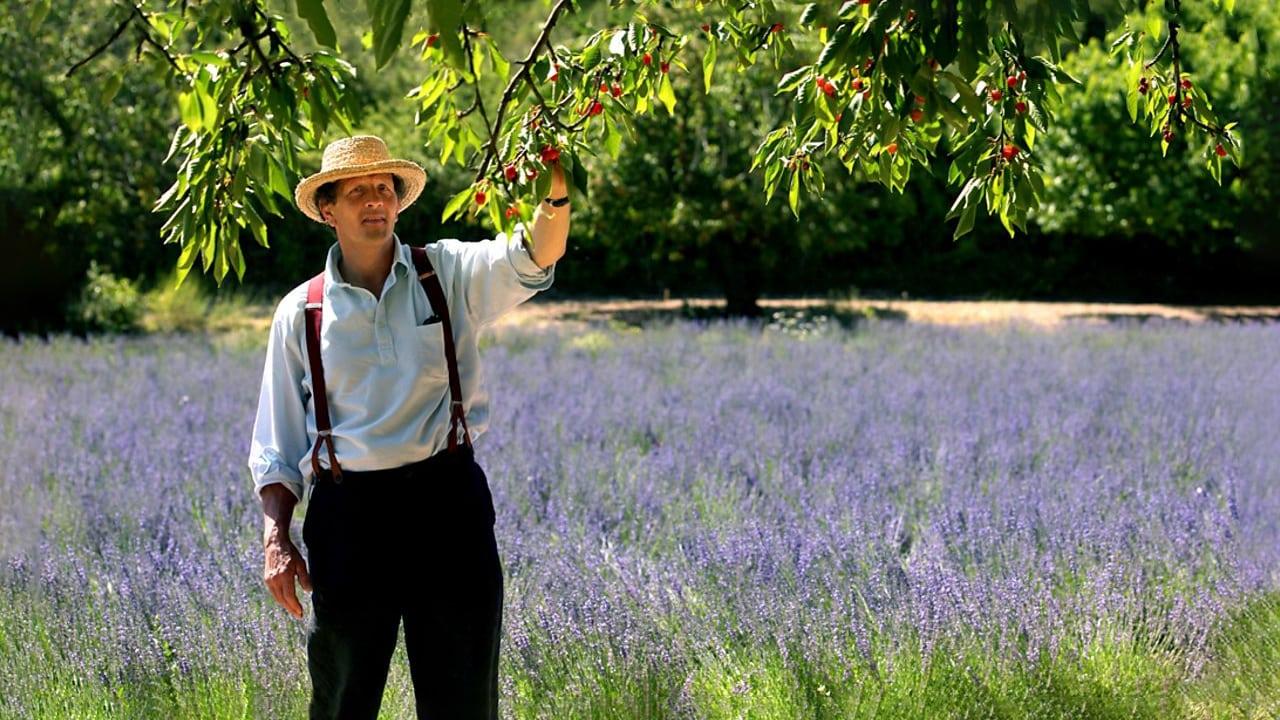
(890,80)
(176,307)
(109,303)
(79,161)
(1098,166)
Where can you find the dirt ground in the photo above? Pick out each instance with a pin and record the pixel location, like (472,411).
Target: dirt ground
(581,314)
(945,312)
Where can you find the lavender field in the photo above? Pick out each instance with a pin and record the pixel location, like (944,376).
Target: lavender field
(698,521)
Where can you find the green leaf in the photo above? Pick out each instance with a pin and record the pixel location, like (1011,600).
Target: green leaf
(667,95)
(500,64)
(542,185)
(963,199)
(1131,89)
(111,86)
(1155,24)
(39,11)
(256,226)
(387,17)
(444,17)
(966,220)
(967,97)
(612,139)
(793,194)
(793,79)
(708,64)
(834,50)
(318,20)
(455,203)
(579,176)
(189,110)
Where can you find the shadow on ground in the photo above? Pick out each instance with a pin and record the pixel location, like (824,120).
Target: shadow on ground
(641,317)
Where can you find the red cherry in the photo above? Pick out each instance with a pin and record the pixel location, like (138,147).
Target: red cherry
(1142,86)
(647,59)
(604,87)
(920,99)
(1022,76)
(1009,152)
(864,2)
(1186,84)
(511,212)
(432,38)
(1173,99)
(1222,152)
(1020,106)
(777,27)
(1186,102)
(665,67)
(550,154)
(1011,81)
(996,95)
(891,148)
(706,27)
(857,83)
(617,90)
(916,115)
(480,197)
(840,115)
(511,172)
(866,94)
(596,108)
(911,16)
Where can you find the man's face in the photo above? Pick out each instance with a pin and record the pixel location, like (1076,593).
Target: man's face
(365,209)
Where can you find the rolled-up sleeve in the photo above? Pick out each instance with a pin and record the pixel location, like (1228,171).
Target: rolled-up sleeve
(498,274)
(280,428)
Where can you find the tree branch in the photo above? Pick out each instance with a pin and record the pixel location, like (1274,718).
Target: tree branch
(515,81)
(128,19)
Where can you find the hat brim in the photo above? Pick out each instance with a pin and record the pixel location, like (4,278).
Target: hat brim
(414,177)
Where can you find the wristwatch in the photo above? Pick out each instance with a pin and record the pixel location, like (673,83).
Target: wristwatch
(557,202)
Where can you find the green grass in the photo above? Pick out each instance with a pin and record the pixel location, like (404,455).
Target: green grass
(1104,680)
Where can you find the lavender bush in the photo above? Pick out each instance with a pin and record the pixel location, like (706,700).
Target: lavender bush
(696,521)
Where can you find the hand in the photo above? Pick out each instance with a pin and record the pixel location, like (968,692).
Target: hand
(559,186)
(284,563)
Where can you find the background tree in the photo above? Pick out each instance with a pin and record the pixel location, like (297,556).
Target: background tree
(633,235)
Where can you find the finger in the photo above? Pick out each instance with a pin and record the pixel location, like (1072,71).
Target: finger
(304,577)
(291,599)
(277,593)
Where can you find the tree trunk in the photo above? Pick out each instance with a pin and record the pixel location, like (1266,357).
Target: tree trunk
(738,270)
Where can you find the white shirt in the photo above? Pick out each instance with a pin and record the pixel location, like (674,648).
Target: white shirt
(385,373)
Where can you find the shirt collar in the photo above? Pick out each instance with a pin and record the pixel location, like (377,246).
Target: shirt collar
(400,257)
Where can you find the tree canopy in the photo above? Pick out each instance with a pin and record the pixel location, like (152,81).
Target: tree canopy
(963,89)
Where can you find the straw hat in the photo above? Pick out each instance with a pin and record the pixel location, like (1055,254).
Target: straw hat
(352,157)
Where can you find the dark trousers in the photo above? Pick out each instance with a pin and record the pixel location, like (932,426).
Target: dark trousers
(414,543)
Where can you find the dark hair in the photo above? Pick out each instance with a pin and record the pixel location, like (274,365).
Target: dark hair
(328,192)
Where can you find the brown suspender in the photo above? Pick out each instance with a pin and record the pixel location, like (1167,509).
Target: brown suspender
(314,314)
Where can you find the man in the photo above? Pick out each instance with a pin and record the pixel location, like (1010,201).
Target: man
(360,399)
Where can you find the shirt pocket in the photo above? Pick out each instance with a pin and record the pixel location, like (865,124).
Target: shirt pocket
(428,349)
